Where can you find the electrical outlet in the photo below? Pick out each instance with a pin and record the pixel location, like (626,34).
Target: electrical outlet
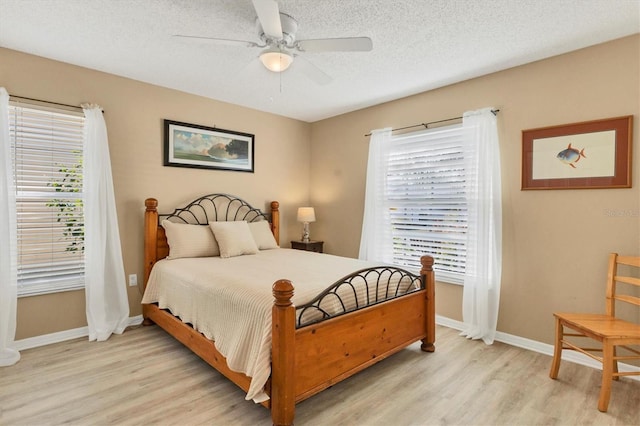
(133,280)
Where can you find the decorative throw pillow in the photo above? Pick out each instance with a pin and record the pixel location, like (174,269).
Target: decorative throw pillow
(186,240)
(234,238)
(262,235)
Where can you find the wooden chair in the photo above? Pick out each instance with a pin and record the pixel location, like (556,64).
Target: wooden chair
(610,331)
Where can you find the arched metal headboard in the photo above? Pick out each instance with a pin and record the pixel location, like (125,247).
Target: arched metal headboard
(215,208)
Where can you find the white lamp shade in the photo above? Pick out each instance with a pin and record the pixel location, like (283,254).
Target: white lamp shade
(306,214)
(276,60)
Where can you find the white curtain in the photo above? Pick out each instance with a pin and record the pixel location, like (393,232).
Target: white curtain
(483,269)
(375,241)
(105,285)
(8,242)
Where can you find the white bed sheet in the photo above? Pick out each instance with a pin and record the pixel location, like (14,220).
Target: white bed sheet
(230,300)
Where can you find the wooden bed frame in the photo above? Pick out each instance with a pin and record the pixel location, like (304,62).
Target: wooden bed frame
(348,343)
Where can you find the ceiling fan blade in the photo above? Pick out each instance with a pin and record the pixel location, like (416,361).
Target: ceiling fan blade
(313,72)
(224,41)
(345,44)
(269,17)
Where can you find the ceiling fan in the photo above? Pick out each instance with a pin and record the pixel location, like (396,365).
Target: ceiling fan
(277,35)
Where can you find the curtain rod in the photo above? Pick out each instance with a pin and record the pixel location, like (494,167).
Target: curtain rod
(48,102)
(426,125)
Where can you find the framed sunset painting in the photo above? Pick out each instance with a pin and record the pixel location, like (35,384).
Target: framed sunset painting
(587,155)
(192,145)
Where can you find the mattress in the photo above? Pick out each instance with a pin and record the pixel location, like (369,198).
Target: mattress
(230,300)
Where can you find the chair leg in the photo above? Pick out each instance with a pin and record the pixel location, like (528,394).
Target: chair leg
(607,375)
(557,351)
(615,363)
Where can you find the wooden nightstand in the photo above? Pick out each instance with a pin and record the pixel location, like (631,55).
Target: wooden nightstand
(310,246)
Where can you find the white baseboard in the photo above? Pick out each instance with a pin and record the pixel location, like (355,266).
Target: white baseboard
(543,348)
(61,336)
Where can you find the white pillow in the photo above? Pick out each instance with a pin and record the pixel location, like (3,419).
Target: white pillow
(186,240)
(234,238)
(262,235)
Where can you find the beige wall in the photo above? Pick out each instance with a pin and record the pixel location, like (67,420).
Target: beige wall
(555,242)
(134,112)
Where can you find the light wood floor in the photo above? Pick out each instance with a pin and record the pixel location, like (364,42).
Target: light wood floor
(144,377)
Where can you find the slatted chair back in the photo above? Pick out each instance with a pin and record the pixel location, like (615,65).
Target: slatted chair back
(613,279)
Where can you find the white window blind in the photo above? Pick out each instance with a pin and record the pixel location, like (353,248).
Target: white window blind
(47,156)
(426,200)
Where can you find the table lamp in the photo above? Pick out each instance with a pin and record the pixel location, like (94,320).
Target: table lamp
(306,215)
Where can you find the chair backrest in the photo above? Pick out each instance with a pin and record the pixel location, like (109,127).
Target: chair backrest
(613,279)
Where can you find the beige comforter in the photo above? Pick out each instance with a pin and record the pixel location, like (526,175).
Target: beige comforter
(230,300)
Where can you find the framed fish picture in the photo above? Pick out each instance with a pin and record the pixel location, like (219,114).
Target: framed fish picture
(590,154)
(192,145)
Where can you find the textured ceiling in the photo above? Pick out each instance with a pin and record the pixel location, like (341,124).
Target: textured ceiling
(417,44)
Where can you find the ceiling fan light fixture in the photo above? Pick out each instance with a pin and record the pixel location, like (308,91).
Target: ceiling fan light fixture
(276,60)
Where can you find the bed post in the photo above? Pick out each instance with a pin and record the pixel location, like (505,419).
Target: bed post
(150,236)
(275,220)
(283,331)
(150,243)
(428,277)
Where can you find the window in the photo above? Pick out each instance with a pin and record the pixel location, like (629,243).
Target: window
(438,192)
(426,196)
(46,148)
(426,200)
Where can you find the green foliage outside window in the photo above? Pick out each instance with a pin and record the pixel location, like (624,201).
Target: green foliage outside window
(70,211)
